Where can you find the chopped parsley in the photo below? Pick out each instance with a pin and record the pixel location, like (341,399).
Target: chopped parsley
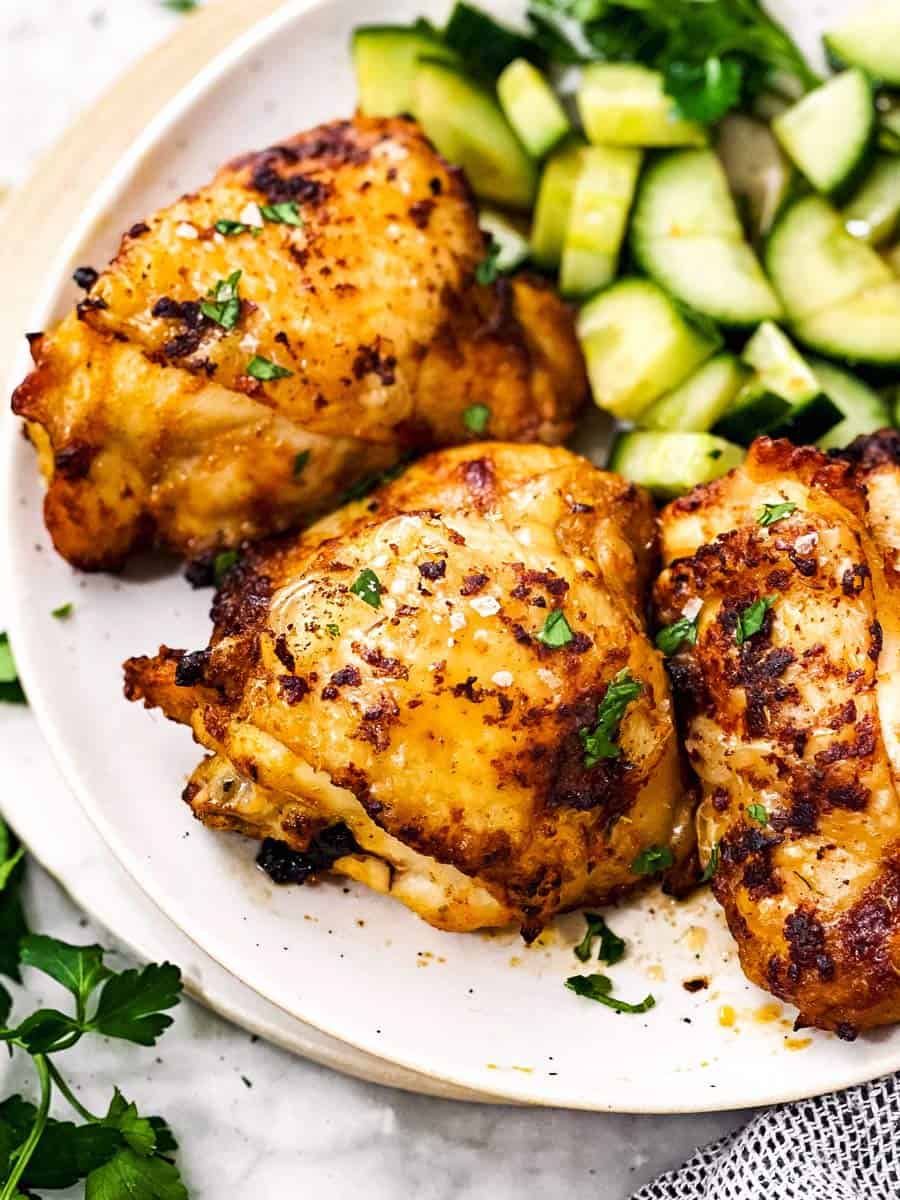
(181,6)
(286,213)
(231,228)
(476,418)
(368,587)
(222,564)
(758,813)
(63,611)
(487,270)
(300,462)
(653,860)
(673,637)
(599,742)
(333,630)
(556,632)
(260,368)
(598,987)
(368,483)
(612,948)
(223,305)
(10,689)
(712,865)
(770,513)
(751,619)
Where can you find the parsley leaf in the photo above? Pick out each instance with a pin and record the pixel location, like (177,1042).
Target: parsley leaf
(10,689)
(367,587)
(79,969)
(770,513)
(758,813)
(751,619)
(673,637)
(712,865)
(229,228)
(132,1004)
(262,369)
(137,1131)
(222,564)
(285,213)
(612,948)
(368,483)
(300,462)
(598,987)
(129,1174)
(181,6)
(65,1152)
(556,632)
(333,630)
(42,1031)
(705,91)
(476,418)
(487,270)
(63,611)
(599,742)
(653,860)
(224,304)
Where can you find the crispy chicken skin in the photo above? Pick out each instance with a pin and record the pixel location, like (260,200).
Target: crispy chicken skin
(150,428)
(437,728)
(800,720)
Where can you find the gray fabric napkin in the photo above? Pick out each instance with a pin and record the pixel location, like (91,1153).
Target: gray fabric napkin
(838,1147)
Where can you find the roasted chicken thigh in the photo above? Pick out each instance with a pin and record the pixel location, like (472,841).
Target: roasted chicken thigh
(784,574)
(447,691)
(310,317)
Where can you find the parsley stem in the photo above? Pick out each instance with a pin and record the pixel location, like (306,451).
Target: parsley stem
(84,1113)
(28,1147)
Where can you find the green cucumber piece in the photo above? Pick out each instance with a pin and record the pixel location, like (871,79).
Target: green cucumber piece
(509,234)
(700,401)
(873,213)
(554,204)
(385,59)
(864,329)
(483,44)
(638,345)
(870,39)
(622,104)
(598,216)
(687,235)
(864,411)
(815,264)
(670,464)
(759,173)
(532,107)
(466,125)
(829,133)
(779,366)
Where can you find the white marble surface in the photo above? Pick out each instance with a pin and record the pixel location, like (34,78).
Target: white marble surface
(246,1112)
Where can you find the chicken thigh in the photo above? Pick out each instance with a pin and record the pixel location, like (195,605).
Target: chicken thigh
(781,601)
(310,317)
(446,691)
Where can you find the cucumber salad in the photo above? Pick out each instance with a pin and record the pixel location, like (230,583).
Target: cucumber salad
(727,219)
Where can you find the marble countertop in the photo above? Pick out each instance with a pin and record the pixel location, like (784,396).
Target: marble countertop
(246,1112)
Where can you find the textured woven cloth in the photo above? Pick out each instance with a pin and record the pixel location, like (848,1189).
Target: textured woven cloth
(840,1147)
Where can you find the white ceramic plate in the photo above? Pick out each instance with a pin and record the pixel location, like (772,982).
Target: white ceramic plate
(482,1013)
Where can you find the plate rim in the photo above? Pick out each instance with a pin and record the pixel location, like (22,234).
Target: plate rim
(99,206)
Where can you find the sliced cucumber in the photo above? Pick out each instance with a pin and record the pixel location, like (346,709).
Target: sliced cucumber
(815,264)
(758,171)
(622,104)
(385,59)
(784,398)
(554,204)
(483,44)
(532,107)
(638,345)
(601,201)
(872,215)
(863,409)
(670,464)
(687,235)
(467,127)
(700,401)
(865,328)
(870,39)
(829,132)
(892,258)
(509,234)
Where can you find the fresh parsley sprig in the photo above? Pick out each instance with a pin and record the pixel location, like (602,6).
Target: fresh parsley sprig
(119,1153)
(599,742)
(612,947)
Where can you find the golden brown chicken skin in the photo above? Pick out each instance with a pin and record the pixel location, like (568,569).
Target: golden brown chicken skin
(789,701)
(360,334)
(428,720)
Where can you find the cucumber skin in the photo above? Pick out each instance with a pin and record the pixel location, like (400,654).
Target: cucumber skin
(866,411)
(651,459)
